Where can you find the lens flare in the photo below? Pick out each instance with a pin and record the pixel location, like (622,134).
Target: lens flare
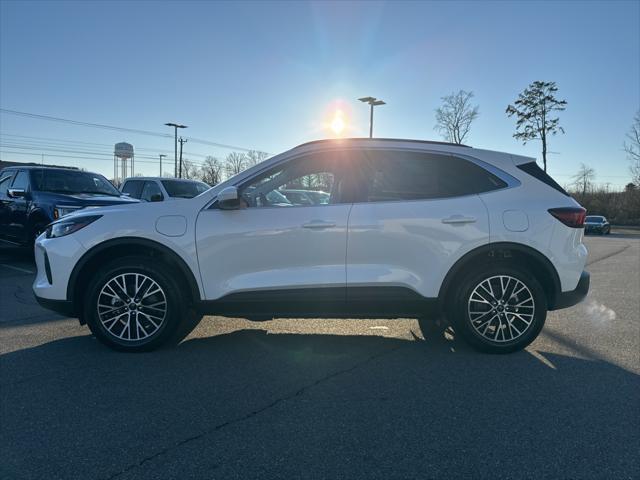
(337,125)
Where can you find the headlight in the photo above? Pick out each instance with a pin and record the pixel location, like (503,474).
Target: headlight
(67,227)
(61,210)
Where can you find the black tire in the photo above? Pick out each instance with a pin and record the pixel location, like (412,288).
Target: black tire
(459,308)
(176,323)
(36,230)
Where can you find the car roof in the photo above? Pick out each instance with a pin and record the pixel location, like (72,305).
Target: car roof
(42,167)
(495,157)
(189,180)
(383,140)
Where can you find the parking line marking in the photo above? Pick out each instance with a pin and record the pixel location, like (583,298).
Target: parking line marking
(23,270)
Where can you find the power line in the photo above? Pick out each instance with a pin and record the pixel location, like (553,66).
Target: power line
(83,152)
(48,141)
(67,156)
(118,129)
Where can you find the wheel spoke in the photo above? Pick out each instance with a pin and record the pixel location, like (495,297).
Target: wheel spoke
(491,305)
(137,320)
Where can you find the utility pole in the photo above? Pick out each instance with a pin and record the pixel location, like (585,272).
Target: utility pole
(182,142)
(161,155)
(175,126)
(373,102)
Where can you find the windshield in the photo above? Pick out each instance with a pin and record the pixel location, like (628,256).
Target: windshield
(71,181)
(594,219)
(182,189)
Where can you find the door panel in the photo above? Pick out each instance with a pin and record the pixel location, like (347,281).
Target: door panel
(272,248)
(273,243)
(18,207)
(412,244)
(418,212)
(5,202)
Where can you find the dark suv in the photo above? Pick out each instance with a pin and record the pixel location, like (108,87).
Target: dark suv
(32,197)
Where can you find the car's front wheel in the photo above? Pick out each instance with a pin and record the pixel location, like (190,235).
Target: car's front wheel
(499,308)
(134,304)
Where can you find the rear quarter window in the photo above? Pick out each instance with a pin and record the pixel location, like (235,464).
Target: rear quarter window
(536,172)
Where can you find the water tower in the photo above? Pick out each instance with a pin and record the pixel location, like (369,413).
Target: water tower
(122,153)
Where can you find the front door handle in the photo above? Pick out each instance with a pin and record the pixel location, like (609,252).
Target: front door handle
(459,219)
(318,224)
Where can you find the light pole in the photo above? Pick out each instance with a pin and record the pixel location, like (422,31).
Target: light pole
(373,102)
(175,126)
(161,155)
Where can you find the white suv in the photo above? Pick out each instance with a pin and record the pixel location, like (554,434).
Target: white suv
(411,229)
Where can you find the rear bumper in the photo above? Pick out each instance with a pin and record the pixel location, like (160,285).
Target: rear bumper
(62,307)
(568,299)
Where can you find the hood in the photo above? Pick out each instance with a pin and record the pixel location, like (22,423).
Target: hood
(84,199)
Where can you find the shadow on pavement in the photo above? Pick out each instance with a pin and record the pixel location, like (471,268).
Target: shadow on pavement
(252,404)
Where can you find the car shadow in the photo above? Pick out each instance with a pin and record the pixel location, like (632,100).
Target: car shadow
(254,403)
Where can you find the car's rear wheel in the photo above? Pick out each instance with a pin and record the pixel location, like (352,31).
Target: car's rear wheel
(499,308)
(134,304)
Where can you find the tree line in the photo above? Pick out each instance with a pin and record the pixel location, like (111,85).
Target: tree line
(214,170)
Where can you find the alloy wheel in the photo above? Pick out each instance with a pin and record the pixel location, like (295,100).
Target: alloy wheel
(132,307)
(501,308)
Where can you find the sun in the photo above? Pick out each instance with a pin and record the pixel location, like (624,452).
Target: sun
(338,124)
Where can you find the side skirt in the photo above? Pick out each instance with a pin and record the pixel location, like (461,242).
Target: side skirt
(330,302)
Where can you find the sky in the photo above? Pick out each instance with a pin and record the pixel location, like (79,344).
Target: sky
(270,75)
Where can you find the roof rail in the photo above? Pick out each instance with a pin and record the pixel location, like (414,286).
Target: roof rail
(430,142)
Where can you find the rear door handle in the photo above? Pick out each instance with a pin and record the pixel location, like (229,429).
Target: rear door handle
(318,224)
(458,219)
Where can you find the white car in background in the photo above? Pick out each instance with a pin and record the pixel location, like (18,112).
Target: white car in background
(159,189)
(411,229)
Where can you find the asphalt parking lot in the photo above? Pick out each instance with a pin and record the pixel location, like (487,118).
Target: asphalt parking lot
(326,398)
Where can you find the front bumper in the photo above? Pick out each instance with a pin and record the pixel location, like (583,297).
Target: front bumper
(55,259)
(568,299)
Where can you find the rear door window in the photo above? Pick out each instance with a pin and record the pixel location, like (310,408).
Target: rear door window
(397,175)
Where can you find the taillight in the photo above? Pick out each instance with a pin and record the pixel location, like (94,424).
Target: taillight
(571,216)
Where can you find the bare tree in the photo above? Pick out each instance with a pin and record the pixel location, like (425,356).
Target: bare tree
(534,108)
(454,117)
(211,171)
(583,180)
(189,170)
(235,163)
(633,149)
(253,157)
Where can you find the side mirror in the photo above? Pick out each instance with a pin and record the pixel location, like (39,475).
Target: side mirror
(156,197)
(16,192)
(228,199)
